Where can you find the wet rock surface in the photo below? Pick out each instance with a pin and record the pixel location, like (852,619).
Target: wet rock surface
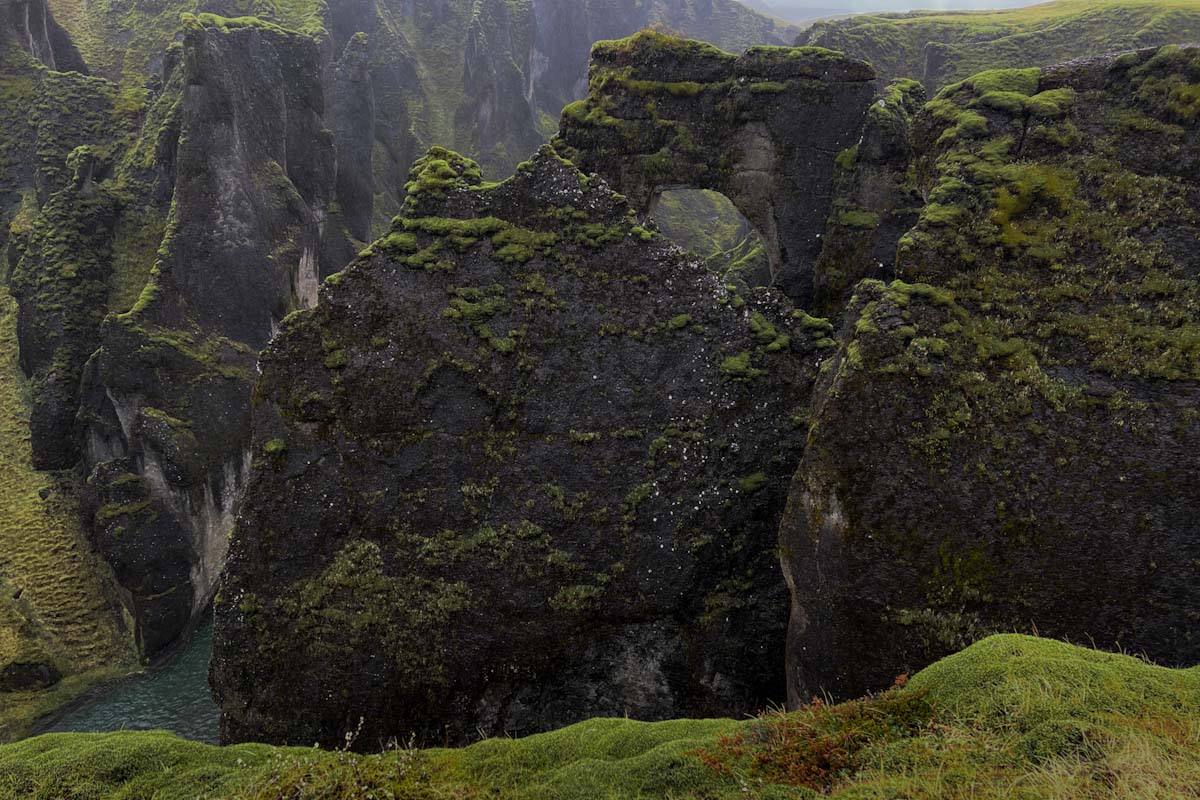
(1008,438)
(763,128)
(522,465)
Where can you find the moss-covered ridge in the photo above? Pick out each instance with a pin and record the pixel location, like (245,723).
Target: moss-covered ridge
(664,112)
(1011,716)
(1019,407)
(939,48)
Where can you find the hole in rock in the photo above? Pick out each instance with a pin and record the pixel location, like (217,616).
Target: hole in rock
(708,224)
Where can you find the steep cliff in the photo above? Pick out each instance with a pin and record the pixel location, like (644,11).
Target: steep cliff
(488,78)
(522,465)
(252,229)
(157,237)
(663,112)
(938,48)
(1010,439)
(60,619)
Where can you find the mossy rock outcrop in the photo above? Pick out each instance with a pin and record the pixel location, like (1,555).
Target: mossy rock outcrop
(1008,437)
(522,465)
(762,128)
(252,229)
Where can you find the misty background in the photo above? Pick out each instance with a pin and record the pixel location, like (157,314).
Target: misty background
(802,10)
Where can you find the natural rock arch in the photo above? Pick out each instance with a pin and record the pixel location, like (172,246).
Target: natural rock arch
(763,128)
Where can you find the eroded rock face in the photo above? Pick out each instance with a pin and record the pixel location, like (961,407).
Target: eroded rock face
(1009,441)
(762,128)
(876,200)
(252,231)
(29,25)
(522,465)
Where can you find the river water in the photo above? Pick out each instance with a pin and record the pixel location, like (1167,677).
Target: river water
(173,697)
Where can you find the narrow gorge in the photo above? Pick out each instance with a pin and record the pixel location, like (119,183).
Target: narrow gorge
(728,408)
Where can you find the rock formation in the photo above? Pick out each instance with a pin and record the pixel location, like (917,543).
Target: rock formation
(156,241)
(1015,446)
(522,465)
(252,230)
(762,128)
(160,219)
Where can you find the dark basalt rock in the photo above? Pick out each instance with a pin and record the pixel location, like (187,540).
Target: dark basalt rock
(30,26)
(522,465)
(1010,441)
(875,200)
(762,128)
(252,230)
(21,676)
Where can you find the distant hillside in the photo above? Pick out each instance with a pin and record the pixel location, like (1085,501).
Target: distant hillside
(487,78)
(939,48)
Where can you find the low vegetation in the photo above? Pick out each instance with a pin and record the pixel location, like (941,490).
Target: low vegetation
(54,607)
(1009,717)
(942,47)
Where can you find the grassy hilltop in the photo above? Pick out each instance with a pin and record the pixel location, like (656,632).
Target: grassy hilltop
(939,48)
(1009,717)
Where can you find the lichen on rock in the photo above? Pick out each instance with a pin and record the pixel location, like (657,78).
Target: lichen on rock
(507,482)
(1007,439)
(665,113)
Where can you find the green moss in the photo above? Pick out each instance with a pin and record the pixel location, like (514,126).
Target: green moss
(847,158)
(113,511)
(399,242)
(818,325)
(438,172)
(518,245)
(767,334)
(740,367)
(576,599)
(858,218)
(1010,716)
(337,359)
(752,483)
(968,125)
(676,89)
